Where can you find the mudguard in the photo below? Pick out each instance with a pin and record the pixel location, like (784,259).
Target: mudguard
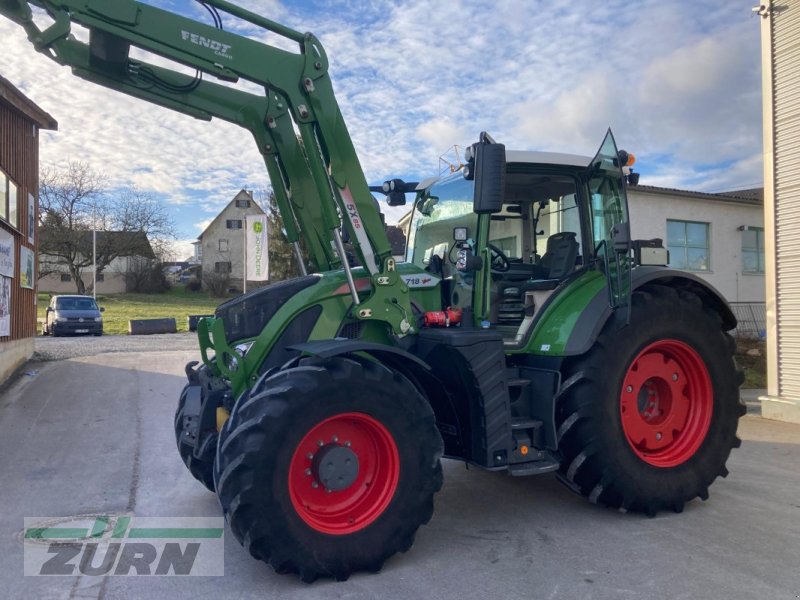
(594,317)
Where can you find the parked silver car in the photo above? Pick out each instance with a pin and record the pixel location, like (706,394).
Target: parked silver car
(73,315)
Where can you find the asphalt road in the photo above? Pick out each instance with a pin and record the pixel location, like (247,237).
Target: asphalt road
(94,435)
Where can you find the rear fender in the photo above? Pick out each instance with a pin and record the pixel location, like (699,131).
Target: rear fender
(597,312)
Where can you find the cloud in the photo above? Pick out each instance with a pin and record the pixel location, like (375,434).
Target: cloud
(678,83)
(201,226)
(181,249)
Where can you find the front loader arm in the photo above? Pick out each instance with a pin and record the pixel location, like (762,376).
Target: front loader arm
(318,181)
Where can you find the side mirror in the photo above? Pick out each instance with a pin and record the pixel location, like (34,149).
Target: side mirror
(487,166)
(48,309)
(102,309)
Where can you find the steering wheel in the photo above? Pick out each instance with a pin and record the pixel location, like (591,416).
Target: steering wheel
(498,260)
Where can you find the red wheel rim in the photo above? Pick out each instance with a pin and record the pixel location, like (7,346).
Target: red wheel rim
(353,508)
(666,403)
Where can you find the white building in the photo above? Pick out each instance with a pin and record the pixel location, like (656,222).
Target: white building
(719,237)
(220,248)
(780,71)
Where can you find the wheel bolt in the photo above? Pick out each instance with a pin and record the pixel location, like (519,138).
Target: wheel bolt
(328,490)
(320,443)
(335,439)
(658,436)
(629,389)
(308,471)
(674,377)
(309,456)
(314,484)
(347,443)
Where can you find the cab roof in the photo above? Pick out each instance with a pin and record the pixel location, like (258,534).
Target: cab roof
(547,158)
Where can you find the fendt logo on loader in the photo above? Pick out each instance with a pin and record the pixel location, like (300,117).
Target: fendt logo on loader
(218,48)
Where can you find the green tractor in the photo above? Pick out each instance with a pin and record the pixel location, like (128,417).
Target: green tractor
(525,332)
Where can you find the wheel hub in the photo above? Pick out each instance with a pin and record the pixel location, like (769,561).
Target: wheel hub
(335,467)
(344,473)
(666,403)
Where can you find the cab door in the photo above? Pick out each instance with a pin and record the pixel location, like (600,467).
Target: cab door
(608,208)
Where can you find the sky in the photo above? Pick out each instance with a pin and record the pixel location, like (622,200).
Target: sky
(678,82)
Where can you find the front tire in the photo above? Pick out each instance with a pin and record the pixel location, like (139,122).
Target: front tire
(329,467)
(647,419)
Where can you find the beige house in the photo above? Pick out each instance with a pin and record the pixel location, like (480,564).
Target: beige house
(113,278)
(220,248)
(780,69)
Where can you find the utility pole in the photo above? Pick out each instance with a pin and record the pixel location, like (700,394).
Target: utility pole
(244,245)
(94,251)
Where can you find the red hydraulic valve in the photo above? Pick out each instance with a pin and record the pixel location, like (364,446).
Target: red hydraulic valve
(443,318)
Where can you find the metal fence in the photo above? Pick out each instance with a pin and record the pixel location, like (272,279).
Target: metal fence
(752,319)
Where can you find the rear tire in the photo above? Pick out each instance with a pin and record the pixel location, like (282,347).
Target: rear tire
(647,418)
(202,467)
(275,496)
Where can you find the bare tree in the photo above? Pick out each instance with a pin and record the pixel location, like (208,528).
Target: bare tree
(76,199)
(282,262)
(217,283)
(66,199)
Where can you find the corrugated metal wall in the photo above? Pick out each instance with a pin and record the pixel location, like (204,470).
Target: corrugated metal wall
(19,159)
(786,106)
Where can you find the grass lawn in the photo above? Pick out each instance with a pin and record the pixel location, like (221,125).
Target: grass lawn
(120,308)
(178,303)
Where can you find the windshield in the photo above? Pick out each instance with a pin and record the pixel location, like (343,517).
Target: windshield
(447,205)
(75,304)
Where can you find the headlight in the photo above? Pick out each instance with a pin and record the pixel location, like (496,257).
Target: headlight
(58,319)
(98,319)
(233,363)
(243,348)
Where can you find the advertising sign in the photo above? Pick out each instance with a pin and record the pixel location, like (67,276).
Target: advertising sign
(6,253)
(5,306)
(26,267)
(256,250)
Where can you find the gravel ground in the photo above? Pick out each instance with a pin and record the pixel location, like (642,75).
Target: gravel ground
(61,348)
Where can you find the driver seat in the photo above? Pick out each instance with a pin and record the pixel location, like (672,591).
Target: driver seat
(558,262)
(559,257)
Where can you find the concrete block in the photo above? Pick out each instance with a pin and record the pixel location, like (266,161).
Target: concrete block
(148,326)
(193,319)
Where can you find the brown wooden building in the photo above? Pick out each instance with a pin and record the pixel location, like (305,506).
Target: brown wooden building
(20,122)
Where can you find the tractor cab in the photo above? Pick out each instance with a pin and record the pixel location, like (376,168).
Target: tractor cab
(557,216)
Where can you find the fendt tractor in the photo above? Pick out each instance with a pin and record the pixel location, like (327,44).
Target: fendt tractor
(525,332)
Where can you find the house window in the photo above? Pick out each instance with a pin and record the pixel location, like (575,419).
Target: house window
(13,217)
(242,203)
(66,277)
(222,267)
(223,245)
(3,196)
(753,250)
(100,277)
(688,245)
(233,223)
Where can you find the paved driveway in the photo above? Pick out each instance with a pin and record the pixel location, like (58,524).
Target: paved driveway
(94,435)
